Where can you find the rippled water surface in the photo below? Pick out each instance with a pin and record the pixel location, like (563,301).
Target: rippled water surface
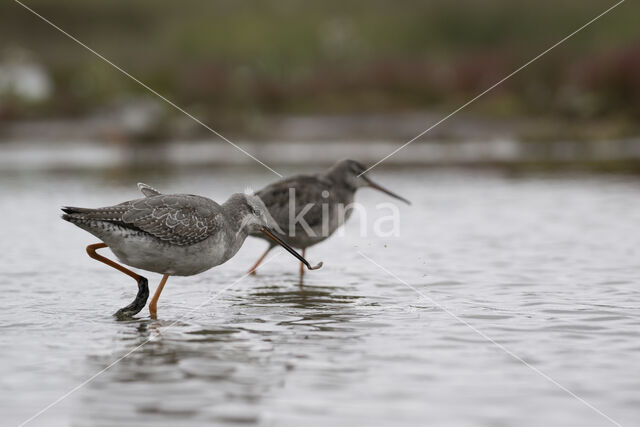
(503,302)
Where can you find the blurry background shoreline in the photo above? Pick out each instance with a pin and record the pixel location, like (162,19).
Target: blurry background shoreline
(298,83)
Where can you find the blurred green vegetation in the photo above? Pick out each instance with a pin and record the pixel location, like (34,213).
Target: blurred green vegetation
(229,59)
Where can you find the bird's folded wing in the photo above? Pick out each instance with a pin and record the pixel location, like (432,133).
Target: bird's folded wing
(177,219)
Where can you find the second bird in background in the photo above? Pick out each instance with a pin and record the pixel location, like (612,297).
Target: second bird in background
(310,208)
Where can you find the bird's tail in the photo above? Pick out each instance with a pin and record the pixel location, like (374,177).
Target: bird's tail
(73,214)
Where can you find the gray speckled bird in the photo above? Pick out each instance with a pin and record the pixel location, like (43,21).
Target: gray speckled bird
(173,234)
(334,188)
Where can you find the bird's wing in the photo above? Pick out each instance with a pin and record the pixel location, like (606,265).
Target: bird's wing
(148,190)
(178,219)
(308,197)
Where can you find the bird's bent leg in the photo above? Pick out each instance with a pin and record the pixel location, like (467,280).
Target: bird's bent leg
(153,305)
(252,270)
(143,285)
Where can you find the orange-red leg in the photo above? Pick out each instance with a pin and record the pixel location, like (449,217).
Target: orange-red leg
(252,270)
(143,287)
(153,305)
(91,250)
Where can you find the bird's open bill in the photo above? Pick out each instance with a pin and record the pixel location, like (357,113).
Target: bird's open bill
(384,190)
(289,249)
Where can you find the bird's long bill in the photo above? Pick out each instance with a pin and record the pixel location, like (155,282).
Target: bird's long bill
(384,190)
(289,249)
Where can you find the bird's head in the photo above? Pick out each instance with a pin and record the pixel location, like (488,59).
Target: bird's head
(256,218)
(352,174)
(256,215)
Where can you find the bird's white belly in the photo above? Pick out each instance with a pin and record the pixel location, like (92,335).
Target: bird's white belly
(152,255)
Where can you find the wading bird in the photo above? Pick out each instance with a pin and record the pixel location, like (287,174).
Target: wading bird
(321,202)
(173,234)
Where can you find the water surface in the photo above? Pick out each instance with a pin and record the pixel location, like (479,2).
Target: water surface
(545,266)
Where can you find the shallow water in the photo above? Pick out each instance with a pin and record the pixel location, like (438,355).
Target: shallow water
(546,267)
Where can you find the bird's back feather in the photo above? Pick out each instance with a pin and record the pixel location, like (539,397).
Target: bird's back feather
(148,190)
(178,219)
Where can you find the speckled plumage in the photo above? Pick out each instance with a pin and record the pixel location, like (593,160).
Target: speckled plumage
(176,234)
(309,191)
(323,197)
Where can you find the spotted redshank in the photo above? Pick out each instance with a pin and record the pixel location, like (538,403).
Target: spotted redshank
(174,235)
(320,201)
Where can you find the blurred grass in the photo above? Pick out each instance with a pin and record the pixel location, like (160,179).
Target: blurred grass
(229,58)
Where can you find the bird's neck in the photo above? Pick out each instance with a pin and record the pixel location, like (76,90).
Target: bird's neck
(342,188)
(336,177)
(235,231)
(235,214)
